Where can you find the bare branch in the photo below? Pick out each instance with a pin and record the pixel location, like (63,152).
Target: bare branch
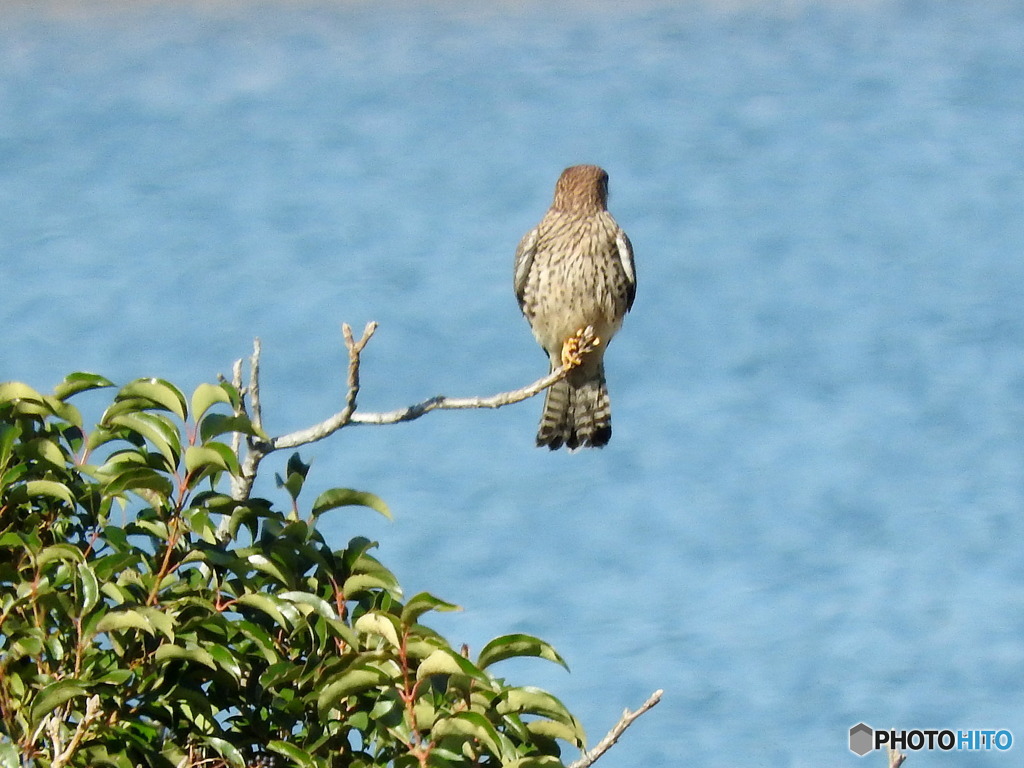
(92,711)
(254,383)
(236,381)
(586,341)
(590,757)
(344,416)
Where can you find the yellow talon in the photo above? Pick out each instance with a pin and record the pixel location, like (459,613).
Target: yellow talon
(577,345)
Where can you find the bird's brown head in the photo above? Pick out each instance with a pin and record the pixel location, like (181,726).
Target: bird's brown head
(581,189)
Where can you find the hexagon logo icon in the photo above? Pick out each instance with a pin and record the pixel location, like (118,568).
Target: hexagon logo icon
(861,739)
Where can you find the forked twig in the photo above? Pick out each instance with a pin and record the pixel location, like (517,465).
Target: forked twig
(257,449)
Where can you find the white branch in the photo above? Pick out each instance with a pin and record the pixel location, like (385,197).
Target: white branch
(590,757)
(258,449)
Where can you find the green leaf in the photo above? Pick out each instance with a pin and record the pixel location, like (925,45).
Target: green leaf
(346,497)
(12,391)
(215,456)
(263,563)
(541,761)
(469,725)
(9,434)
(319,605)
(80,382)
(549,729)
(157,429)
(374,623)
(9,757)
(90,593)
(120,620)
(423,602)
(162,393)
(42,488)
(205,397)
(445,661)
(509,646)
(347,684)
(166,652)
(127,477)
(226,750)
(298,756)
(266,605)
(297,467)
(65,552)
(534,701)
(218,424)
(52,696)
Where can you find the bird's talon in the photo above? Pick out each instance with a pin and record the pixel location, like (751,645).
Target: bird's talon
(576,345)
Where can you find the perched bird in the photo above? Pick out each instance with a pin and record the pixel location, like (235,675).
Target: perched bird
(575,270)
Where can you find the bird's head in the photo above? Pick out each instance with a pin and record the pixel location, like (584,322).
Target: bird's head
(582,189)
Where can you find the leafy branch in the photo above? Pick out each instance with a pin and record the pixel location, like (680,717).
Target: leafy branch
(150,618)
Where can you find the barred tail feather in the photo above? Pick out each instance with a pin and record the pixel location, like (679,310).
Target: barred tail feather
(577,412)
(554,423)
(591,415)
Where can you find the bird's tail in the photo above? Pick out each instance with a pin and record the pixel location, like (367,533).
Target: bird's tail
(577,412)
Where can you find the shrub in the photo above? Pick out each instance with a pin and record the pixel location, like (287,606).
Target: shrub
(149,617)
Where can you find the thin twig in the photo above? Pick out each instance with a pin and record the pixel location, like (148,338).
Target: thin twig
(254,384)
(443,403)
(344,416)
(236,381)
(590,757)
(257,449)
(92,711)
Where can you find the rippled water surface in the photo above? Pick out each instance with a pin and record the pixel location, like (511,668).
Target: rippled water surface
(810,513)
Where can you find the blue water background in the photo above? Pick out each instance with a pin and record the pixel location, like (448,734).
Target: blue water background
(810,512)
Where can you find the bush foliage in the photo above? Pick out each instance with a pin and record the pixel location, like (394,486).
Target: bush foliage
(148,618)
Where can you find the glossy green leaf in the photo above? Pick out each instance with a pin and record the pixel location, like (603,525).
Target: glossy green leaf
(549,729)
(510,646)
(47,451)
(469,725)
(167,652)
(319,605)
(64,552)
(298,756)
(264,564)
(218,424)
(157,429)
(206,457)
(227,751)
(11,391)
(121,620)
(445,661)
(423,602)
(534,701)
(42,489)
(138,479)
(161,393)
(53,695)
(9,757)
(346,497)
(542,761)
(380,624)
(80,382)
(205,397)
(348,684)
(266,605)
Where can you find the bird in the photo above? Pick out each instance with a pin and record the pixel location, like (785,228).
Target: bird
(575,280)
